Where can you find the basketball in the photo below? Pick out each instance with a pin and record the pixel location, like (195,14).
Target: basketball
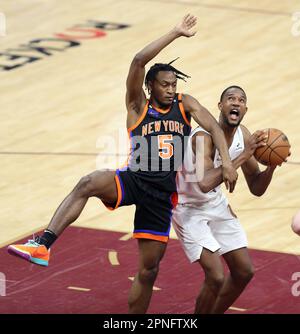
(296,223)
(276,150)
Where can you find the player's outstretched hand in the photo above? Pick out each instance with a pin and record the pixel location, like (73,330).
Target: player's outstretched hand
(184,27)
(230,176)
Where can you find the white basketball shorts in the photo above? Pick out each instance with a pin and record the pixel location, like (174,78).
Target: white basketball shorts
(214,228)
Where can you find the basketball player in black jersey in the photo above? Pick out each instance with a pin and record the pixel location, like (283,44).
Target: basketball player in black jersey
(156,128)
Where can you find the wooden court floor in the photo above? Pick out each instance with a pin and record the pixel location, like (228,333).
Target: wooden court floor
(62,84)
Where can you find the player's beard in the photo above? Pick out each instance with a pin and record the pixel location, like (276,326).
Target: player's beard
(231,125)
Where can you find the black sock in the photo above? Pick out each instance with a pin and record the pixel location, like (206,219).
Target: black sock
(47,238)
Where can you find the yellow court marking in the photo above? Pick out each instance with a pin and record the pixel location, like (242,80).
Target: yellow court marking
(78,289)
(113,258)
(126,237)
(154,288)
(237,309)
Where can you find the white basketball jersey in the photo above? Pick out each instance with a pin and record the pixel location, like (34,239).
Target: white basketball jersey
(189,192)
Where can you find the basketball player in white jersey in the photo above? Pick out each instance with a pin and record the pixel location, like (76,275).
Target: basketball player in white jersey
(203,220)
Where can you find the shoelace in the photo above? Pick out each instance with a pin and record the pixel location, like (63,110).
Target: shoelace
(33,242)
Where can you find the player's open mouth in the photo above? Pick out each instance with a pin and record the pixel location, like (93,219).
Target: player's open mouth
(234,114)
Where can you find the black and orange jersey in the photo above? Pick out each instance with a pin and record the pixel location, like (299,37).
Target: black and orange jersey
(157,142)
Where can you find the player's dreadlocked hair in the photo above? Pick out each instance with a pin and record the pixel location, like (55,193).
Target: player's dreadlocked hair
(151,74)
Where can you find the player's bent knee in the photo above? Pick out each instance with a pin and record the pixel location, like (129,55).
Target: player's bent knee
(214,274)
(244,275)
(85,186)
(248,275)
(148,275)
(216,280)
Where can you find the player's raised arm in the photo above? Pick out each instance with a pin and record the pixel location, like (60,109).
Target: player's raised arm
(135,97)
(204,118)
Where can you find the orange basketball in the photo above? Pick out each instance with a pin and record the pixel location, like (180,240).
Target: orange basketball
(276,150)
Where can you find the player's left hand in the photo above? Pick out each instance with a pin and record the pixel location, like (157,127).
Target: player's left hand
(184,27)
(288,156)
(285,160)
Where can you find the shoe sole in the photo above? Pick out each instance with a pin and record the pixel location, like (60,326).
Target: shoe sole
(26,256)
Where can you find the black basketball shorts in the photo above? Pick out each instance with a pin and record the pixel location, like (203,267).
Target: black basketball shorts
(153,207)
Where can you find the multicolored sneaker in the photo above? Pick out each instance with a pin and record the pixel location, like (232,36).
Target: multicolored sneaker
(31,251)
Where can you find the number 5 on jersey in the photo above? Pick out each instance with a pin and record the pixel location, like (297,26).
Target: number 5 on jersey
(165,146)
